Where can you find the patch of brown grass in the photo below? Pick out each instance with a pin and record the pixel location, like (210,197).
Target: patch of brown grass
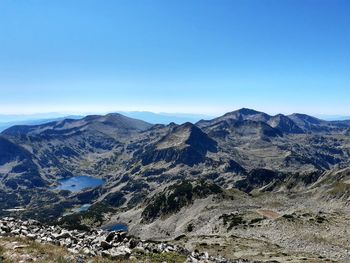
(28,251)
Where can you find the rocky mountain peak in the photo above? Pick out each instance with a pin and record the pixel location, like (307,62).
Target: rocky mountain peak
(184,143)
(284,124)
(247,114)
(187,134)
(243,114)
(298,117)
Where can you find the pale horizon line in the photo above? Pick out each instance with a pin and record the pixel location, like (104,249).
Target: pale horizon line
(54,114)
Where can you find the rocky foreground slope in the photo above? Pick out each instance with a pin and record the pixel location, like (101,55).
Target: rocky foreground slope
(114,245)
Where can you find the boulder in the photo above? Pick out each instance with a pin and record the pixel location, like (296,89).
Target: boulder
(106,245)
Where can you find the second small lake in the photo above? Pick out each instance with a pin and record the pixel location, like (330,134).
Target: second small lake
(78,183)
(118,227)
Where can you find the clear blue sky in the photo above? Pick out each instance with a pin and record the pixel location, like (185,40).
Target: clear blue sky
(207,56)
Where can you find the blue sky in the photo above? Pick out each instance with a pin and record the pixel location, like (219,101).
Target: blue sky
(208,56)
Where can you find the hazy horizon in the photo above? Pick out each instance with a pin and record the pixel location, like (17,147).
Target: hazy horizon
(12,118)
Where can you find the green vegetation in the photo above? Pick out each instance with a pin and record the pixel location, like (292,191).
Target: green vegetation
(137,198)
(85,220)
(115,199)
(320,219)
(169,257)
(32,251)
(256,220)
(2,251)
(177,196)
(290,217)
(47,253)
(340,189)
(87,196)
(180,237)
(189,228)
(153,172)
(135,186)
(232,220)
(48,212)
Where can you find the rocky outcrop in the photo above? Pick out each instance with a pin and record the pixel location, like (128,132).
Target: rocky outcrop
(258,178)
(115,245)
(284,124)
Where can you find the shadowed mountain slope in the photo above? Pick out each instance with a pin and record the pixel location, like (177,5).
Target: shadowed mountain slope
(17,168)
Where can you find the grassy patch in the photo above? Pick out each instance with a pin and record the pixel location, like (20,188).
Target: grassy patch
(232,220)
(85,220)
(290,217)
(256,220)
(169,257)
(42,253)
(47,253)
(321,219)
(180,237)
(340,189)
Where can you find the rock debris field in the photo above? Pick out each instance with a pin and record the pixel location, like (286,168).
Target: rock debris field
(116,245)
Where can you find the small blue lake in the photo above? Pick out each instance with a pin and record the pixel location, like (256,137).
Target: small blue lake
(118,227)
(78,183)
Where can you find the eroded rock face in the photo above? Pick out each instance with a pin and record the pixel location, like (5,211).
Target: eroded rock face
(115,244)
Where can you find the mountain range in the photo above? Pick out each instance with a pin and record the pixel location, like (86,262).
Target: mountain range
(164,180)
(7,121)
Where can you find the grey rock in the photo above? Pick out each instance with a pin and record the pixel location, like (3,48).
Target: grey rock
(106,245)
(114,245)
